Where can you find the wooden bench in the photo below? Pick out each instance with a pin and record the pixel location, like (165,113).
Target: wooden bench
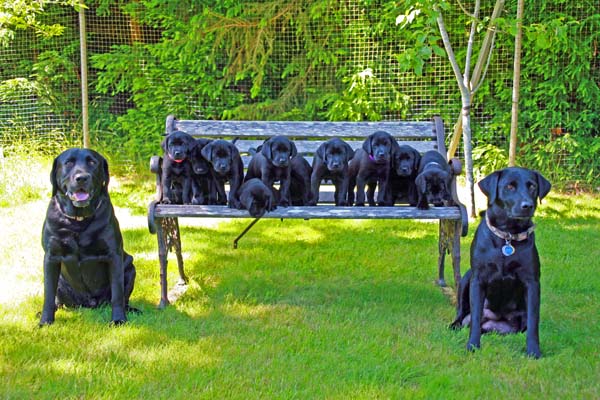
(423,136)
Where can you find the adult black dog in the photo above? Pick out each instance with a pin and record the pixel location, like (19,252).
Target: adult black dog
(433,180)
(501,291)
(256,197)
(331,162)
(204,189)
(176,168)
(371,164)
(84,262)
(405,166)
(272,163)
(227,166)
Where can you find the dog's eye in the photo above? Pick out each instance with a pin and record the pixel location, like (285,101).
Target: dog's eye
(92,162)
(510,187)
(531,186)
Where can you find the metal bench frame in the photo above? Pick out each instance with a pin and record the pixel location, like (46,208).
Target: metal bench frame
(163,219)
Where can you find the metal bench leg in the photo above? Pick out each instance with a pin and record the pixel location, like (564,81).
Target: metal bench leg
(442,249)
(176,241)
(237,239)
(162,257)
(456,253)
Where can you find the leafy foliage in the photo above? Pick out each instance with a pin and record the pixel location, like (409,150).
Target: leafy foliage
(306,60)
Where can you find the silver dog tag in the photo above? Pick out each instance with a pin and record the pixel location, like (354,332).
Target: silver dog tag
(507,249)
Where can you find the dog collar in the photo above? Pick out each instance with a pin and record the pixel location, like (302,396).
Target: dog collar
(508,249)
(77,217)
(431,163)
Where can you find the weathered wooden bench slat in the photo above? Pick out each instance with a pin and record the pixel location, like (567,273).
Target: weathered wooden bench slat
(317,212)
(301,129)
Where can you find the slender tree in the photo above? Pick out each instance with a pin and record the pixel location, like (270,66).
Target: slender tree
(468,81)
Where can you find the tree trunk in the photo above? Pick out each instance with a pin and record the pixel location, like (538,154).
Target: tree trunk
(514,120)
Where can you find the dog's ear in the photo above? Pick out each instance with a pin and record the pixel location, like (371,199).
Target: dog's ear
(266,149)
(489,186)
(349,152)
(206,152)
(544,186)
(448,183)
(234,154)
(164,144)
(106,178)
(53,179)
(416,160)
(367,144)
(421,184)
(293,149)
(322,150)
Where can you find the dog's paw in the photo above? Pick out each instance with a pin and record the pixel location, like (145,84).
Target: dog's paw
(133,310)
(46,322)
(473,346)
(533,351)
(455,325)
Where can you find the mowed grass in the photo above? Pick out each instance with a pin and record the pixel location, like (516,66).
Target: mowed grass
(302,309)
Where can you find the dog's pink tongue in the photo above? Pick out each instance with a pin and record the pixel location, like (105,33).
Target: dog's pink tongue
(81,196)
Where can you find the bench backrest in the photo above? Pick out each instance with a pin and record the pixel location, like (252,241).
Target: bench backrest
(308,136)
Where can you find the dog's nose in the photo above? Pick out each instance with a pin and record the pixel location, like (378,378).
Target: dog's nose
(82,177)
(526,205)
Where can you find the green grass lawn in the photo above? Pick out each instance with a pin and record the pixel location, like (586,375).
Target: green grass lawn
(303,309)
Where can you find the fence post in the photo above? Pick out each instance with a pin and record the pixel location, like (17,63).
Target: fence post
(84,76)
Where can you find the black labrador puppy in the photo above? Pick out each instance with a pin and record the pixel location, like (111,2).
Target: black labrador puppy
(501,291)
(272,163)
(405,166)
(256,197)
(331,162)
(204,188)
(371,165)
(84,261)
(176,168)
(433,180)
(300,192)
(227,165)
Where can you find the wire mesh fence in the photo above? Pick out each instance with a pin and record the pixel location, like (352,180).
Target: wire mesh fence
(40,94)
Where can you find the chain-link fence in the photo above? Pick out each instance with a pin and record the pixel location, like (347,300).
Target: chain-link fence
(40,78)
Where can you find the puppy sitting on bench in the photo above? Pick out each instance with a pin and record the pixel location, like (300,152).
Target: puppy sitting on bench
(433,180)
(501,291)
(256,197)
(176,168)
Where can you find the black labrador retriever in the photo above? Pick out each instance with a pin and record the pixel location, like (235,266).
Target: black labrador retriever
(371,165)
(272,163)
(84,262)
(433,180)
(204,188)
(176,168)
(501,291)
(405,166)
(331,162)
(227,165)
(256,197)
(300,192)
